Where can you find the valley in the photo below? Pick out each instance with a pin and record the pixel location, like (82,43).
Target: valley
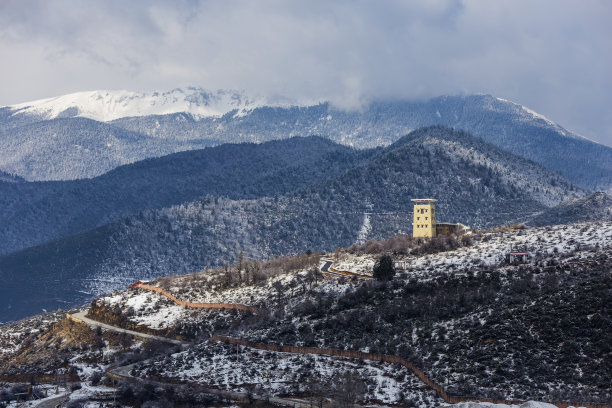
(474,324)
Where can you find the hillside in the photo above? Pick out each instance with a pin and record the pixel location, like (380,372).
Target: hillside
(10,178)
(508,125)
(36,212)
(478,326)
(475,183)
(71,148)
(596,206)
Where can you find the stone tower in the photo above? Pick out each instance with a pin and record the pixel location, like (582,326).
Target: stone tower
(424,218)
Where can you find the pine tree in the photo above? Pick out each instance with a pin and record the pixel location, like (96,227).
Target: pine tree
(384,270)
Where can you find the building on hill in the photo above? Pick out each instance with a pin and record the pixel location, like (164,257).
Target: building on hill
(424,224)
(517,255)
(449,228)
(424,218)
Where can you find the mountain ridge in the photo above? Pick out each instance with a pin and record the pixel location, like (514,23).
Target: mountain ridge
(109,105)
(215,230)
(507,125)
(595,206)
(112,105)
(34,212)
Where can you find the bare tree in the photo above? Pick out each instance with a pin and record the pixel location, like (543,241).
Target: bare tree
(349,388)
(318,389)
(279,289)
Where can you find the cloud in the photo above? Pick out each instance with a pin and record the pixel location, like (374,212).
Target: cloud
(552,56)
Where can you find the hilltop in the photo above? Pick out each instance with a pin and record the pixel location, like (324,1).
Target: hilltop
(476,184)
(470,321)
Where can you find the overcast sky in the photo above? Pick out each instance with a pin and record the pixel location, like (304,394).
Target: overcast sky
(552,56)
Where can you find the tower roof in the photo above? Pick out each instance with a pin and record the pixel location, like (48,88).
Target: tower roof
(424,200)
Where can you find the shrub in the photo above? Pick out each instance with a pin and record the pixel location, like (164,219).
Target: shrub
(384,270)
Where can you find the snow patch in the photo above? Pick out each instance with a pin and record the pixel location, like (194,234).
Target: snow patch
(366,227)
(538,116)
(110,105)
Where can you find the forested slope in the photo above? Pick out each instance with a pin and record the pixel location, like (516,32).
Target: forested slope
(34,212)
(475,183)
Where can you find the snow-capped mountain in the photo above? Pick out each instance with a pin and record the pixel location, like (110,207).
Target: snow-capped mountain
(84,135)
(528,115)
(106,106)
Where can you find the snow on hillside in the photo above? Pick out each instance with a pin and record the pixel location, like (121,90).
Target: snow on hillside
(492,248)
(228,367)
(561,239)
(220,366)
(157,312)
(528,404)
(110,105)
(528,177)
(237,368)
(530,115)
(13,335)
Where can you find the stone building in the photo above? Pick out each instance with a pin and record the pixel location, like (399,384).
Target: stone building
(424,218)
(424,224)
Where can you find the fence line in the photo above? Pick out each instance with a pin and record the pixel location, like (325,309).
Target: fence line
(196,305)
(451,399)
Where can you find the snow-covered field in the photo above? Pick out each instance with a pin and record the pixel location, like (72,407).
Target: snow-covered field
(226,367)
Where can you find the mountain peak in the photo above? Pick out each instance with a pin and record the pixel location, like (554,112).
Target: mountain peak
(105,106)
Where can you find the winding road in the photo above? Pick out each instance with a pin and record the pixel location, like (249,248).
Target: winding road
(81,317)
(50,403)
(327,268)
(123,372)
